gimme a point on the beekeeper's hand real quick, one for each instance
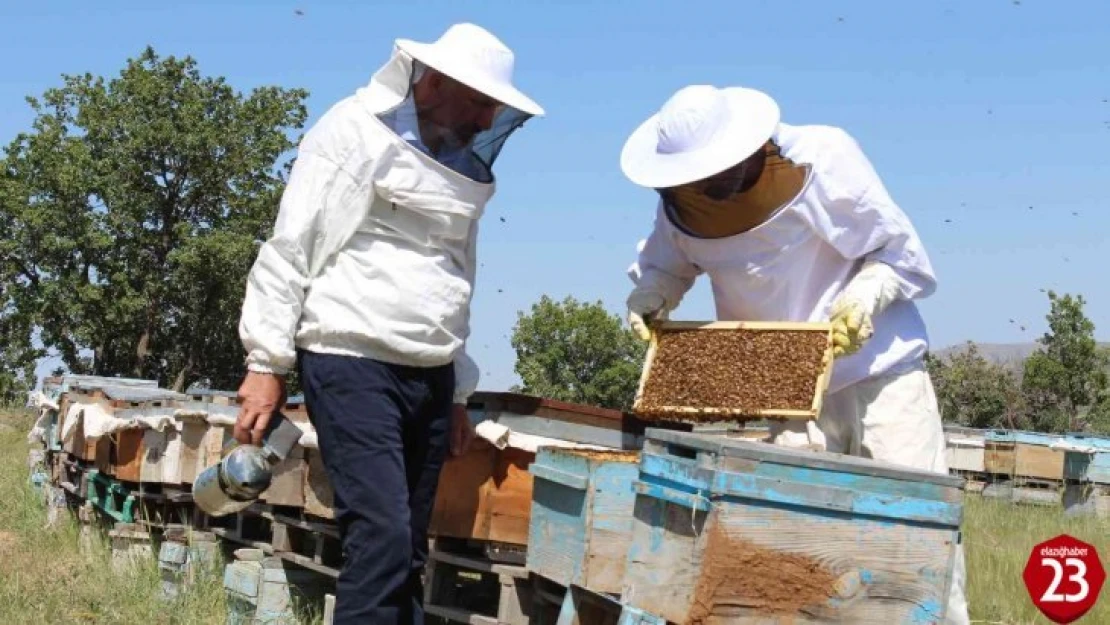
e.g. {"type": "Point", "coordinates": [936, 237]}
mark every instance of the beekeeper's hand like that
{"type": "Point", "coordinates": [644, 308]}
{"type": "Point", "coordinates": [851, 314]}
{"type": "Point", "coordinates": [851, 326]}
{"type": "Point", "coordinates": [261, 394]}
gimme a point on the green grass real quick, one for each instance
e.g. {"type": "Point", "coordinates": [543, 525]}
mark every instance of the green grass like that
{"type": "Point", "coordinates": [46, 577]}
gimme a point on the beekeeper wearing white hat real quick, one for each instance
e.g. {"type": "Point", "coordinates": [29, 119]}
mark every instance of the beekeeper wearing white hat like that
{"type": "Point", "coordinates": [365, 288]}
{"type": "Point", "coordinates": [792, 223]}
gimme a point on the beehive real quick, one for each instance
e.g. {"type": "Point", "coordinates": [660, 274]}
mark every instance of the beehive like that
{"type": "Point", "coordinates": [731, 531]}
{"type": "Point", "coordinates": [581, 522]}
{"type": "Point", "coordinates": [721, 371]}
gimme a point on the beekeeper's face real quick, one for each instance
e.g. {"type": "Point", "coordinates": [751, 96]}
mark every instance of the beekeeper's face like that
{"type": "Point", "coordinates": [736, 179]}
{"type": "Point", "coordinates": [450, 111]}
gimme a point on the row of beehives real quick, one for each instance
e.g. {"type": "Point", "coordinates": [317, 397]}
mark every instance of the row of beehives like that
{"type": "Point", "coordinates": [137, 433]}
{"type": "Point", "coordinates": [693, 524]}
{"type": "Point", "coordinates": [1072, 470]}
{"type": "Point", "coordinates": [1033, 455]}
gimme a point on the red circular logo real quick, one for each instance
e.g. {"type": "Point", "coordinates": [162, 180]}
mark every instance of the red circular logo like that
{"type": "Point", "coordinates": [1064, 577]}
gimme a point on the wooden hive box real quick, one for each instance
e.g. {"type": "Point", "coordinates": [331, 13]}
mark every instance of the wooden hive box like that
{"type": "Point", "coordinates": [1091, 467]}
{"type": "Point", "coordinates": [96, 451]}
{"type": "Point", "coordinates": [1039, 462]}
{"type": "Point", "coordinates": [139, 452]}
{"type": "Point", "coordinates": [998, 453]}
{"type": "Point", "coordinates": [581, 521]}
{"type": "Point", "coordinates": [965, 452]}
{"type": "Point", "coordinates": [485, 495]}
{"type": "Point", "coordinates": [724, 371]}
{"type": "Point", "coordinates": [1099, 470]}
{"type": "Point", "coordinates": [730, 531]}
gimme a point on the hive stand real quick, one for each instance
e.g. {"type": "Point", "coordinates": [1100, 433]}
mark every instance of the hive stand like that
{"type": "Point", "coordinates": [455, 585]}
{"type": "Point", "coordinates": [284, 533]}
{"type": "Point", "coordinates": [582, 607]}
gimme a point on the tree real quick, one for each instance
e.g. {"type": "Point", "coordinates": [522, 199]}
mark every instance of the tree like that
{"type": "Point", "coordinates": [577, 352]}
{"type": "Point", "coordinates": [1066, 377]}
{"type": "Point", "coordinates": [974, 392]}
{"type": "Point", "coordinates": [17, 354]}
{"type": "Point", "coordinates": [130, 215]}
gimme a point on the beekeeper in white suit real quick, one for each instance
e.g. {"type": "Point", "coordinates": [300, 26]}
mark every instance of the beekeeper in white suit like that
{"type": "Point", "coordinates": [792, 223]}
{"type": "Point", "coordinates": [365, 288]}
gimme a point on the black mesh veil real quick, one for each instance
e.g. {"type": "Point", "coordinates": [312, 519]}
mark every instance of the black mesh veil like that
{"type": "Point", "coordinates": [486, 145]}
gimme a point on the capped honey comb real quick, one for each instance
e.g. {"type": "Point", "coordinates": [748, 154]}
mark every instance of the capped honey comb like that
{"type": "Point", "coordinates": [718, 371]}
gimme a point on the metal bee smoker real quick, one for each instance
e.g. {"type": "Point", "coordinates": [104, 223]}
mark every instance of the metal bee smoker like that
{"type": "Point", "coordinates": [244, 472]}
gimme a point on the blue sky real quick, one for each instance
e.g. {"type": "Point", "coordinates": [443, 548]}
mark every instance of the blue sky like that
{"type": "Point", "coordinates": [970, 111]}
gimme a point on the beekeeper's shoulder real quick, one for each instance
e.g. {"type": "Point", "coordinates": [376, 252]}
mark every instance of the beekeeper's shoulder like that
{"type": "Point", "coordinates": [343, 135]}
{"type": "Point", "coordinates": [839, 166]}
{"type": "Point", "coordinates": [824, 147]}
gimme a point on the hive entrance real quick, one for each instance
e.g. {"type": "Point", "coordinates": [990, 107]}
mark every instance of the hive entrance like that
{"type": "Point", "coordinates": [726, 371]}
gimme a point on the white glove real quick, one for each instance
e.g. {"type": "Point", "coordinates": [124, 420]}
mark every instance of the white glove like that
{"type": "Point", "coordinates": [867, 295]}
{"type": "Point", "coordinates": [644, 308]}
{"type": "Point", "coordinates": [798, 434]}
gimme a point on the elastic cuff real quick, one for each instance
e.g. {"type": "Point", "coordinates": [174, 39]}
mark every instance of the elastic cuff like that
{"type": "Point", "coordinates": [257, 367]}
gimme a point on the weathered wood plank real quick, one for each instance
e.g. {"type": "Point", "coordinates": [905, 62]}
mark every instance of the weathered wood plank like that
{"type": "Point", "coordinates": [153, 455]}
{"type": "Point", "coordinates": [319, 498]}
{"type": "Point", "coordinates": [127, 461]}
{"type": "Point", "coordinates": [458, 512]}
{"type": "Point", "coordinates": [508, 500]}
{"type": "Point", "coordinates": [193, 433]}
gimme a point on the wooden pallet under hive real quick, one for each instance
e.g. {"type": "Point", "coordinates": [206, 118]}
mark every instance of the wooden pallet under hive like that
{"type": "Point", "coordinates": [732, 371]}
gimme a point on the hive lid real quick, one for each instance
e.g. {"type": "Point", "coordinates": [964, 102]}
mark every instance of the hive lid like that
{"type": "Point", "coordinates": [98, 381]}
{"type": "Point", "coordinates": [766, 452]}
{"type": "Point", "coordinates": [131, 393]}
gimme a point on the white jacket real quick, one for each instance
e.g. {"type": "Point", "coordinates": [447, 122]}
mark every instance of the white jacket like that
{"type": "Point", "coordinates": [373, 250]}
{"type": "Point", "coordinates": [794, 265]}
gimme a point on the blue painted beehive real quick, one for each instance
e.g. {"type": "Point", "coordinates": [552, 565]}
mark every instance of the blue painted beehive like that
{"type": "Point", "coordinates": [733, 531]}
{"type": "Point", "coordinates": [581, 519]}
{"type": "Point", "coordinates": [1093, 467]}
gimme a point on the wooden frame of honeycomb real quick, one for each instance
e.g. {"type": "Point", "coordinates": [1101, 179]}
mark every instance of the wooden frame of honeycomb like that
{"type": "Point", "coordinates": [808, 373]}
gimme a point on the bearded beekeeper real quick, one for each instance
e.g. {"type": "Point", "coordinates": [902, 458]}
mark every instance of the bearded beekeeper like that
{"type": "Point", "coordinates": [365, 289]}
{"type": "Point", "coordinates": [792, 223]}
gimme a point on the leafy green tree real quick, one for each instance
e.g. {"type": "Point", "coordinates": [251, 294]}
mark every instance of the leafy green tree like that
{"type": "Point", "coordinates": [131, 212]}
{"type": "Point", "coordinates": [1066, 377]}
{"type": "Point", "coordinates": [577, 352]}
{"type": "Point", "coordinates": [975, 392]}
{"type": "Point", "coordinates": [17, 356]}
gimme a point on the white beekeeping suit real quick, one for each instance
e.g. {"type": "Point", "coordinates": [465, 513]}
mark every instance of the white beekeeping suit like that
{"type": "Point", "coordinates": [367, 205]}
{"type": "Point", "coordinates": [832, 244]}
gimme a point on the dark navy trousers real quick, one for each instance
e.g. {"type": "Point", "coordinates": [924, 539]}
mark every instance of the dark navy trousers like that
{"type": "Point", "coordinates": [383, 432]}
